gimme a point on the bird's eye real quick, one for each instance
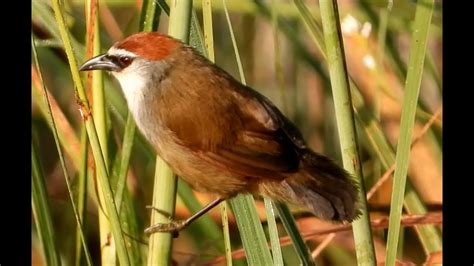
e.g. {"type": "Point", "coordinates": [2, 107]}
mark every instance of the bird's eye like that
{"type": "Point", "coordinates": [125, 61]}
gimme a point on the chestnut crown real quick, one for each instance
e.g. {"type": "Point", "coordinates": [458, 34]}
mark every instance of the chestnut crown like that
{"type": "Point", "coordinates": [151, 46]}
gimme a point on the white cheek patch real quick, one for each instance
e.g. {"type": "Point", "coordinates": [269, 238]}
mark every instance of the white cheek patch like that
{"type": "Point", "coordinates": [137, 79]}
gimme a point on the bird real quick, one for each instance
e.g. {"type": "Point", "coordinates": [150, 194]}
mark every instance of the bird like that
{"type": "Point", "coordinates": [219, 135]}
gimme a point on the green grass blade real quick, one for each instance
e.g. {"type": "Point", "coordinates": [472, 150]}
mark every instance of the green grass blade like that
{"type": "Point", "coordinates": [196, 37]}
{"type": "Point", "coordinates": [225, 229]}
{"type": "Point", "coordinates": [150, 16]}
{"type": "Point", "coordinates": [93, 138]}
{"type": "Point", "coordinates": [234, 43]}
{"type": "Point", "coordinates": [412, 88]}
{"type": "Point", "coordinates": [123, 199]}
{"type": "Point", "coordinates": [421, 27]}
{"type": "Point", "coordinates": [127, 145]}
{"type": "Point", "coordinates": [82, 193]}
{"type": "Point", "coordinates": [251, 230]}
{"type": "Point", "coordinates": [273, 233]}
{"type": "Point", "coordinates": [41, 211]}
{"type": "Point", "coordinates": [313, 28]}
{"type": "Point", "coordinates": [346, 126]}
{"type": "Point", "coordinates": [250, 227]}
{"type": "Point", "coordinates": [290, 226]}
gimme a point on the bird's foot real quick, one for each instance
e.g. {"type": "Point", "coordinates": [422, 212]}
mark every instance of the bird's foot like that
{"type": "Point", "coordinates": [172, 227]}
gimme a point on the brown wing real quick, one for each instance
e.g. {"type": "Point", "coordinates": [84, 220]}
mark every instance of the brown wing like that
{"type": "Point", "coordinates": [260, 146]}
{"type": "Point", "coordinates": [238, 130]}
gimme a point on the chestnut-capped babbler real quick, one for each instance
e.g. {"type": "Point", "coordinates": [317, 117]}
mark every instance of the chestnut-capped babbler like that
{"type": "Point", "coordinates": [219, 135]}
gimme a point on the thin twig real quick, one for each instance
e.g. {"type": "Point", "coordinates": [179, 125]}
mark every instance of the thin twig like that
{"type": "Point", "coordinates": [323, 245]}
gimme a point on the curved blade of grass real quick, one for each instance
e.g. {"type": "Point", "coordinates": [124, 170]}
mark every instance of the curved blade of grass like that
{"type": "Point", "coordinates": [164, 196]}
{"type": "Point", "coordinates": [250, 227]}
{"type": "Point", "coordinates": [412, 88]}
{"type": "Point", "coordinates": [93, 138]}
{"type": "Point", "coordinates": [52, 123]}
{"type": "Point", "coordinates": [41, 212]}
{"type": "Point", "coordinates": [346, 126]}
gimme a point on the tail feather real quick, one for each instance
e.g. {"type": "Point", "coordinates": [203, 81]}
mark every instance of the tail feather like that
{"type": "Point", "coordinates": [320, 185]}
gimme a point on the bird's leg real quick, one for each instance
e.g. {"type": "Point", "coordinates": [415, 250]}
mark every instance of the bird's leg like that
{"type": "Point", "coordinates": [176, 225]}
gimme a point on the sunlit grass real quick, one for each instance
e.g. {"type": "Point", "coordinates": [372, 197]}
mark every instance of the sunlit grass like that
{"type": "Point", "coordinates": [127, 167]}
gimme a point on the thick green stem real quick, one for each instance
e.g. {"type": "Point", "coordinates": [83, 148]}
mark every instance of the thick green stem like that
{"type": "Point", "coordinates": [346, 125]}
{"type": "Point", "coordinates": [164, 196]}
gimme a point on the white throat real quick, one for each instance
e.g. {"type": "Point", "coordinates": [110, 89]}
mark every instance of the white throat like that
{"type": "Point", "coordinates": [137, 79]}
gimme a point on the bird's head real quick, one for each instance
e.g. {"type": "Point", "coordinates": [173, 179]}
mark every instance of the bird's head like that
{"type": "Point", "coordinates": [137, 60]}
{"type": "Point", "coordinates": [134, 51]}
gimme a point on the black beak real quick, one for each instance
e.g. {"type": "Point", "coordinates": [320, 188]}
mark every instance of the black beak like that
{"type": "Point", "coordinates": [100, 62]}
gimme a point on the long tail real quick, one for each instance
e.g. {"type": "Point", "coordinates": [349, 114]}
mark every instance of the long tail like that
{"type": "Point", "coordinates": [320, 185]}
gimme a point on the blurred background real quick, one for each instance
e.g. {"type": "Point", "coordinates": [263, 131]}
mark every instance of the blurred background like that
{"type": "Point", "coordinates": [283, 62]}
